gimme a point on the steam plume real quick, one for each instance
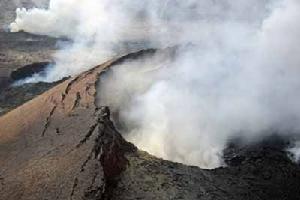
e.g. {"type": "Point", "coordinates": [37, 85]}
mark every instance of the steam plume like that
{"type": "Point", "coordinates": [235, 75]}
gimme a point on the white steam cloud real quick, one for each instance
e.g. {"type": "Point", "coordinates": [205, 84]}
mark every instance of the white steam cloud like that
{"type": "Point", "coordinates": [236, 73]}
{"type": "Point", "coordinates": [295, 151]}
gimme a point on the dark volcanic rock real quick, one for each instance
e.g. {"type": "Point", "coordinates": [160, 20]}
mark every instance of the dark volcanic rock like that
{"type": "Point", "coordinates": [29, 70]}
{"type": "Point", "coordinates": [4, 82]}
{"type": "Point", "coordinates": [263, 172]}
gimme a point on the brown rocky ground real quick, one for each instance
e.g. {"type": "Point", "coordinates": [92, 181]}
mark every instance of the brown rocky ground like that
{"type": "Point", "coordinates": [60, 145]}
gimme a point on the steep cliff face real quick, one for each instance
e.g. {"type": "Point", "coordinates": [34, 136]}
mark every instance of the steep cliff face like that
{"type": "Point", "coordinates": [61, 145]}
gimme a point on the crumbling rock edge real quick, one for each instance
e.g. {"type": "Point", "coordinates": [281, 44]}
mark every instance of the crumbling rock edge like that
{"type": "Point", "coordinates": [109, 150]}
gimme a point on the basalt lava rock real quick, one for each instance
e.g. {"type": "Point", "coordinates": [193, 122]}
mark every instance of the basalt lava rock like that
{"type": "Point", "coordinates": [29, 70]}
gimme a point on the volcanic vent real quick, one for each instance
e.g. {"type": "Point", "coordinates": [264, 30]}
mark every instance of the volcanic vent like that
{"type": "Point", "coordinates": [60, 145]}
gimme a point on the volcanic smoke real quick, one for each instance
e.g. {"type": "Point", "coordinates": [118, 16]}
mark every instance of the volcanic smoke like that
{"type": "Point", "coordinates": [235, 73]}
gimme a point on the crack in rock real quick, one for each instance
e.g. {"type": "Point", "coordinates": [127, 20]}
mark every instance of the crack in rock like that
{"type": "Point", "coordinates": [75, 184]}
{"type": "Point", "coordinates": [88, 135]}
{"type": "Point", "coordinates": [68, 88]}
{"type": "Point", "coordinates": [48, 120]}
{"type": "Point", "coordinates": [77, 101]}
{"type": "Point", "coordinates": [109, 151]}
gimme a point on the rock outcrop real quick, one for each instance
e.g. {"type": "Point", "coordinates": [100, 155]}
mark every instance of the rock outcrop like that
{"type": "Point", "coordinates": [61, 145]}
